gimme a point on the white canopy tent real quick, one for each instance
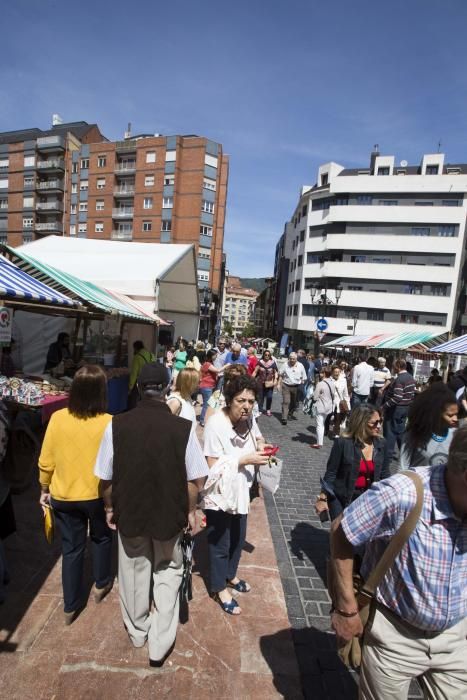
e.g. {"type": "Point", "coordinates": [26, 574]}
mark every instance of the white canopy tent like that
{"type": "Point", "coordinates": [161, 279]}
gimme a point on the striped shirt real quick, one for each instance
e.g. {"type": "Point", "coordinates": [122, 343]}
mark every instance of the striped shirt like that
{"type": "Point", "coordinates": [196, 465]}
{"type": "Point", "coordinates": [401, 392]}
{"type": "Point", "coordinates": [427, 584]}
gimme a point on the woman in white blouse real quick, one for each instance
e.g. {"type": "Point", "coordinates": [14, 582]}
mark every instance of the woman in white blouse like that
{"type": "Point", "coordinates": [232, 432]}
{"type": "Point", "coordinates": [179, 401]}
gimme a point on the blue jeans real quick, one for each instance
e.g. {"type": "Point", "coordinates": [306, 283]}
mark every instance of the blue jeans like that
{"type": "Point", "coordinates": [206, 394]}
{"type": "Point", "coordinates": [393, 429]}
{"type": "Point", "coordinates": [357, 399]}
{"type": "Point", "coordinates": [265, 394]}
{"type": "Point", "coordinates": [72, 519]}
{"type": "Point", "coordinates": [226, 536]}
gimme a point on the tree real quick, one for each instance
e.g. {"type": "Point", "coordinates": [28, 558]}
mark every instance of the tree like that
{"type": "Point", "coordinates": [249, 331]}
{"type": "Point", "coordinates": [227, 328]}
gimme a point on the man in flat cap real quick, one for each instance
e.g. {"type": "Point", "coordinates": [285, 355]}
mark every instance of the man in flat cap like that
{"type": "Point", "coordinates": [152, 467]}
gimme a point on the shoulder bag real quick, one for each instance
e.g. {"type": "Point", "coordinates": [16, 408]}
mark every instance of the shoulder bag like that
{"type": "Point", "coordinates": [351, 653]}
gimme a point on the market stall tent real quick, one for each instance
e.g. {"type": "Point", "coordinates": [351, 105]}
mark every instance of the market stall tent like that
{"type": "Point", "coordinates": [17, 286]}
{"type": "Point", "coordinates": [161, 279]}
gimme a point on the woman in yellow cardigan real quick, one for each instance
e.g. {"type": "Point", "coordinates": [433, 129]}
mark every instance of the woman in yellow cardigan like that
{"type": "Point", "coordinates": [68, 484]}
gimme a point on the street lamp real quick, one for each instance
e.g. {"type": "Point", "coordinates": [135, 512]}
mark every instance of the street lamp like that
{"type": "Point", "coordinates": [320, 293]}
{"type": "Point", "coordinates": [355, 316]}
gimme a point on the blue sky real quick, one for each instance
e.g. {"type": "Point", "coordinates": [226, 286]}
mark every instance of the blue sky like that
{"type": "Point", "coordinates": [284, 86]}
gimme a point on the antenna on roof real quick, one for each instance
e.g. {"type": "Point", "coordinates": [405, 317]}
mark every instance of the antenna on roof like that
{"type": "Point", "coordinates": [128, 131]}
{"type": "Point", "coordinates": [56, 120]}
{"type": "Point", "coordinates": [439, 146]}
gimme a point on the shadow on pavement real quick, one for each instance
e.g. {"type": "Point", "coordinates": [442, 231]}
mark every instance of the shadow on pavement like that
{"type": "Point", "coordinates": [312, 543]}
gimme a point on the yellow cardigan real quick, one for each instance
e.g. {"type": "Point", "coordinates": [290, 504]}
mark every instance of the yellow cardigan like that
{"type": "Point", "coordinates": [68, 455]}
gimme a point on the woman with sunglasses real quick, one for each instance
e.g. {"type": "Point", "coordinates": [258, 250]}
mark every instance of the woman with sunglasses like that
{"type": "Point", "coordinates": [266, 372]}
{"type": "Point", "coordinates": [355, 462]}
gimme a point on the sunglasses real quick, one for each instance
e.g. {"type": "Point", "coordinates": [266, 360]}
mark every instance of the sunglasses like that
{"type": "Point", "coordinates": [375, 424]}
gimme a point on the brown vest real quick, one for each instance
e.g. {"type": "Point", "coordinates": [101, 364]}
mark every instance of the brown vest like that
{"type": "Point", "coordinates": [149, 485]}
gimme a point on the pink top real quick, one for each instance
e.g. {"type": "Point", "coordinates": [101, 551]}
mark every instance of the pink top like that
{"type": "Point", "coordinates": [208, 377]}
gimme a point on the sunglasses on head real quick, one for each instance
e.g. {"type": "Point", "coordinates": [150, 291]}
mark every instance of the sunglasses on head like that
{"type": "Point", "coordinates": [375, 423]}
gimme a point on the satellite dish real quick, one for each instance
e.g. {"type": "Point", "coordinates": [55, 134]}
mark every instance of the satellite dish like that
{"type": "Point", "coordinates": [404, 164]}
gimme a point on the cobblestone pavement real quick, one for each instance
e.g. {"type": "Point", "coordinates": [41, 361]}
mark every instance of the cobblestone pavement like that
{"type": "Point", "coordinates": [302, 544]}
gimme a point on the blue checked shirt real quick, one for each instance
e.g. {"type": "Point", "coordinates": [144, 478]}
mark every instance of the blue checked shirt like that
{"type": "Point", "coordinates": [427, 584]}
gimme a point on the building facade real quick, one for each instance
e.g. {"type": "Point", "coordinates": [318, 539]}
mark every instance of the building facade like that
{"type": "Point", "coordinates": [264, 309]}
{"type": "Point", "coordinates": [374, 249]}
{"type": "Point", "coordinates": [238, 306]}
{"type": "Point", "coordinates": [72, 181]}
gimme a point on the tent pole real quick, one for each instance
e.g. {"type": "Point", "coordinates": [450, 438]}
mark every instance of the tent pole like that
{"type": "Point", "coordinates": [75, 338]}
{"type": "Point", "coordinates": [118, 354]}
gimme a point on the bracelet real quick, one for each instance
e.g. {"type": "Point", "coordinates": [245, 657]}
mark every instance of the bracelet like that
{"type": "Point", "coordinates": [342, 613]}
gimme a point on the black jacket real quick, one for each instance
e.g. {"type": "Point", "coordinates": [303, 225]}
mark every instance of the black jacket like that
{"type": "Point", "coordinates": [343, 467]}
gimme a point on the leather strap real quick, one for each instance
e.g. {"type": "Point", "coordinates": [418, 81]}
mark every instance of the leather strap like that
{"type": "Point", "coordinates": [397, 542]}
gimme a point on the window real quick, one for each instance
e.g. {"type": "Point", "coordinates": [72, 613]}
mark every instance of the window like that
{"type": "Point", "coordinates": [147, 203]}
{"type": "Point", "coordinates": [29, 161]}
{"type": "Point", "coordinates": [341, 201]}
{"type": "Point", "coordinates": [312, 258]}
{"type": "Point", "coordinates": [380, 260]}
{"type": "Point", "coordinates": [209, 184]}
{"type": "Point", "coordinates": [204, 253]}
{"type": "Point", "coordinates": [28, 181]}
{"type": "Point", "coordinates": [150, 156]}
{"type": "Point", "coordinates": [354, 288]}
{"type": "Point", "coordinates": [167, 202]}
{"type": "Point", "coordinates": [432, 170]}
{"type": "Point", "coordinates": [423, 204]}
{"type": "Point", "coordinates": [166, 225]}
{"type": "Point", "coordinates": [27, 221]}
{"type": "Point", "coordinates": [447, 231]}
{"type": "Point", "coordinates": [99, 227]}
{"type": "Point", "coordinates": [409, 318]}
{"type": "Point", "coordinates": [375, 315]}
{"type": "Point", "coordinates": [388, 202]}
{"type": "Point", "coordinates": [207, 206]}
{"type": "Point", "coordinates": [420, 231]}
{"type": "Point", "coordinates": [101, 161]}
{"type": "Point", "coordinates": [302, 236]}
{"type": "Point", "coordinates": [83, 185]}
{"type": "Point", "coordinates": [295, 310]}
{"type": "Point", "coordinates": [384, 170]}
{"type": "Point", "coordinates": [99, 205]}
{"type": "Point", "coordinates": [293, 245]}
{"type": "Point", "coordinates": [27, 238]}
{"type": "Point", "coordinates": [149, 180]}
{"type": "Point", "coordinates": [28, 202]}
{"type": "Point", "coordinates": [83, 206]}
{"type": "Point", "coordinates": [4, 163]}
{"type": "Point", "coordinates": [82, 228]}
{"type": "Point", "coordinates": [450, 203]}
{"type": "Point", "coordinates": [413, 288]}
{"type": "Point", "coordinates": [74, 187]}
{"type": "Point", "coordinates": [358, 258]}
{"type": "Point", "coordinates": [304, 210]}
{"type": "Point", "coordinates": [297, 285]}
{"type": "Point", "coordinates": [100, 183]}
{"type": "Point", "coordinates": [364, 199]}
{"type": "Point", "coordinates": [169, 179]}
{"type": "Point", "coordinates": [3, 203]}
{"type": "Point", "coordinates": [324, 179]}
{"type": "Point", "coordinates": [72, 208]}
{"type": "Point", "coordinates": [72, 230]}
{"type": "Point", "coordinates": [300, 260]}
{"type": "Point", "coordinates": [205, 230]}
{"type": "Point", "coordinates": [74, 168]}
{"type": "Point", "coordinates": [147, 226]}
{"type": "Point", "coordinates": [438, 290]}
{"type": "Point", "coordinates": [3, 183]}
{"type": "Point", "coordinates": [203, 276]}
{"type": "Point", "coordinates": [84, 165]}
{"type": "Point", "coordinates": [170, 156]}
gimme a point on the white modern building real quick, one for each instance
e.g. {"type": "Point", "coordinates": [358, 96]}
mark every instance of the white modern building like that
{"type": "Point", "coordinates": [386, 242]}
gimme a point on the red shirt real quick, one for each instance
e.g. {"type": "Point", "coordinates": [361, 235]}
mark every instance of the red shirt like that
{"type": "Point", "coordinates": [366, 474]}
{"type": "Point", "coordinates": [208, 377]}
{"type": "Point", "coordinates": [252, 361]}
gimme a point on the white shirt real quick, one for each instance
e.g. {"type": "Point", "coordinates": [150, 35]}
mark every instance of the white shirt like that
{"type": "Point", "coordinates": [362, 378]}
{"type": "Point", "coordinates": [293, 375]}
{"type": "Point", "coordinates": [221, 439]}
{"type": "Point", "coordinates": [196, 465]}
{"type": "Point", "coordinates": [381, 376]}
{"type": "Point", "coordinates": [187, 409]}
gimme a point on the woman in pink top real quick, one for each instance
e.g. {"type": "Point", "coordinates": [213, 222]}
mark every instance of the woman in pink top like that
{"type": "Point", "coordinates": [208, 381]}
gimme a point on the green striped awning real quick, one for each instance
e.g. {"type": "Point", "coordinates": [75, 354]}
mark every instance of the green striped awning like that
{"type": "Point", "coordinates": [405, 340]}
{"type": "Point", "coordinates": [87, 292]}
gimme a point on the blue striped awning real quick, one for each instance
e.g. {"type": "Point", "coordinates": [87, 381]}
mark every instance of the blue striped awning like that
{"type": "Point", "coordinates": [17, 284]}
{"type": "Point", "coordinates": [456, 346]}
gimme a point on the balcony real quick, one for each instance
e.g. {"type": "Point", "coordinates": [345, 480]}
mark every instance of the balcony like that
{"type": "Point", "coordinates": [51, 164]}
{"type": "Point", "coordinates": [122, 235]}
{"type": "Point", "coordinates": [49, 185]}
{"type": "Point", "coordinates": [49, 227]}
{"type": "Point", "coordinates": [127, 191]}
{"type": "Point", "coordinates": [51, 143]}
{"type": "Point", "coordinates": [125, 167]}
{"type": "Point", "coordinates": [49, 206]}
{"type": "Point", "coordinates": [122, 213]}
{"type": "Point", "coordinates": [127, 146]}
{"type": "Point", "coordinates": [203, 263]}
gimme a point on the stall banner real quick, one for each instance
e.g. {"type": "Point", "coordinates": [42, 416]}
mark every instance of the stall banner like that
{"type": "Point", "coordinates": [6, 320]}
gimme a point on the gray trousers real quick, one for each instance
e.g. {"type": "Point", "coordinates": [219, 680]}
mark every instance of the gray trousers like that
{"type": "Point", "coordinates": [289, 399]}
{"type": "Point", "coordinates": [150, 569]}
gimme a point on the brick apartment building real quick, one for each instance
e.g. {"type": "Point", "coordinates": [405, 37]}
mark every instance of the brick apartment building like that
{"type": "Point", "coordinates": [72, 181]}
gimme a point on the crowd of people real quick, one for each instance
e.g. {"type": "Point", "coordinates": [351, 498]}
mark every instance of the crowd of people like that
{"type": "Point", "coordinates": [145, 474]}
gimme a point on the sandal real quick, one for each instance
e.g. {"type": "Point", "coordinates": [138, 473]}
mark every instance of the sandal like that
{"type": "Point", "coordinates": [241, 586]}
{"type": "Point", "coordinates": [226, 607]}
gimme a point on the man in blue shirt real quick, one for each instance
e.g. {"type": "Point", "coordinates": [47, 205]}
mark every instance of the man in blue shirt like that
{"type": "Point", "coordinates": [419, 627]}
{"type": "Point", "coordinates": [236, 356]}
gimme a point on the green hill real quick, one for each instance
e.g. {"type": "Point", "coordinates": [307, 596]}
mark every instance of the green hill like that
{"type": "Point", "coordinates": [256, 283]}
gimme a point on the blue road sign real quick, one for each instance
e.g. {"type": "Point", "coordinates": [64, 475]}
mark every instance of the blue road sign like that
{"type": "Point", "coordinates": [321, 324]}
